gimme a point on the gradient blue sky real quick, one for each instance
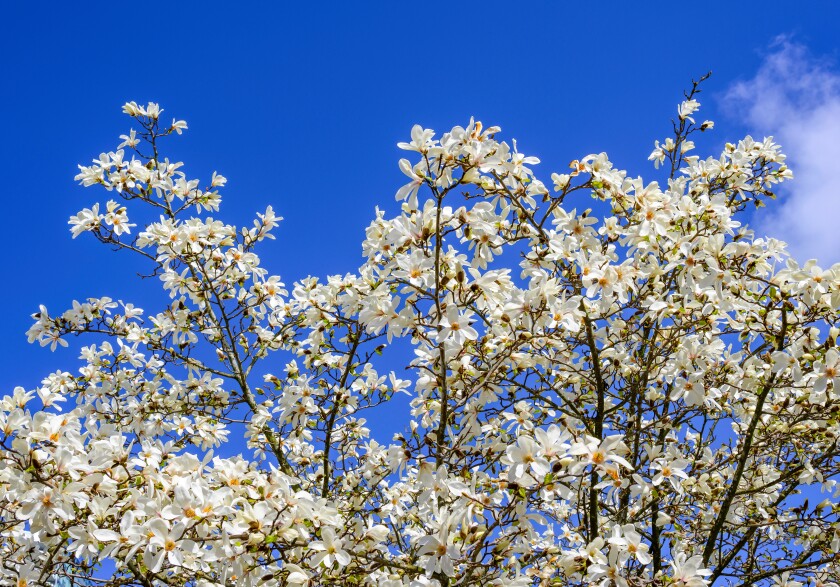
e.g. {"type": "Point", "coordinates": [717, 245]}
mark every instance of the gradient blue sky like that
{"type": "Point", "coordinates": [301, 107]}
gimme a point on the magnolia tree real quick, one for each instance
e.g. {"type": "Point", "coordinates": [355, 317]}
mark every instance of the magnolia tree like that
{"type": "Point", "coordinates": [640, 393]}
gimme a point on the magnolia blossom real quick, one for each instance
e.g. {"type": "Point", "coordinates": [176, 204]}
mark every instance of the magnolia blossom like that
{"type": "Point", "coordinates": [670, 470]}
{"type": "Point", "coordinates": [599, 453]}
{"type": "Point", "coordinates": [691, 390]}
{"type": "Point", "coordinates": [164, 542]}
{"type": "Point", "coordinates": [687, 108]}
{"type": "Point", "coordinates": [613, 382]}
{"type": "Point", "coordinates": [527, 461]}
{"type": "Point", "coordinates": [456, 326]}
{"type": "Point", "coordinates": [827, 371]}
{"type": "Point", "coordinates": [688, 571]}
{"type": "Point", "coordinates": [329, 549]}
{"type": "Point", "coordinates": [627, 540]}
{"type": "Point", "coordinates": [439, 550]}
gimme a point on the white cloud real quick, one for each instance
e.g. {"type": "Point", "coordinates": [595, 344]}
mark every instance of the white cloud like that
{"type": "Point", "coordinates": [795, 97]}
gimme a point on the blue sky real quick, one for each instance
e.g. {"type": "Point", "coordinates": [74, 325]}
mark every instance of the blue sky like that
{"type": "Point", "coordinates": [301, 107]}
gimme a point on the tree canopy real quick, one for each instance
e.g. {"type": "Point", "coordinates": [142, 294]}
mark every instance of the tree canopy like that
{"type": "Point", "coordinates": [613, 382]}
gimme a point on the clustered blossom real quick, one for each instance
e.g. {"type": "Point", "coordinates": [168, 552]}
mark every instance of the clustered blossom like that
{"type": "Point", "coordinates": [613, 382]}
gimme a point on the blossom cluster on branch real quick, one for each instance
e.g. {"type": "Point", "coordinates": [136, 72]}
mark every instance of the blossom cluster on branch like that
{"type": "Point", "coordinates": [640, 392]}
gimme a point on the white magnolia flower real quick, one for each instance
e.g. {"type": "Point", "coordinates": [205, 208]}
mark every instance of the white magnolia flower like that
{"type": "Point", "coordinates": [456, 326]}
{"type": "Point", "coordinates": [329, 549]}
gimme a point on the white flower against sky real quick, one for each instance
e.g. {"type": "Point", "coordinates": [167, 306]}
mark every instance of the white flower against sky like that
{"type": "Point", "coordinates": [329, 549]}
